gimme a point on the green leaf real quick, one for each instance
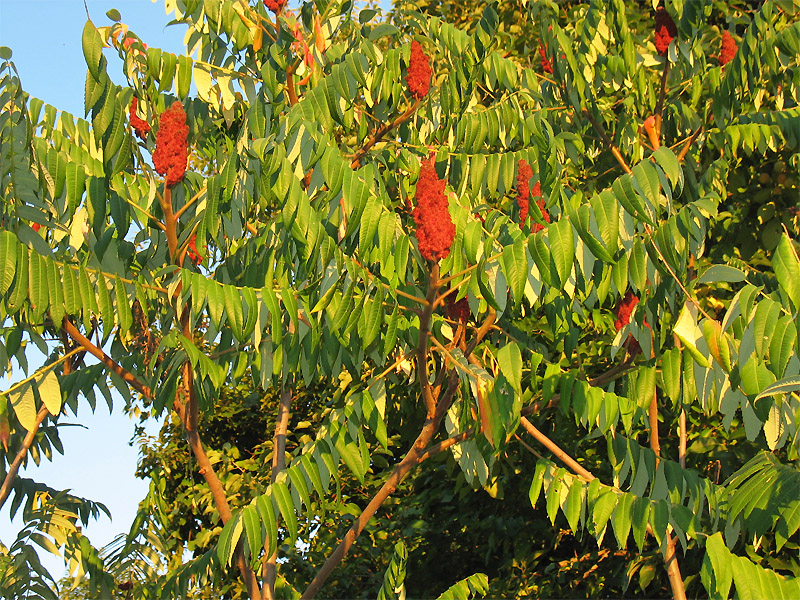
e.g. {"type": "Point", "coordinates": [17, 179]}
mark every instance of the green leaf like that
{"type": "Point", "coordinates": [24, 404]}
{"type": "Point", "coordinates": [509, 358]}
{"type": "Point", "coordinates": [267, 513]}
{"type": "Point", "coordinates": [56, 292]}
{"type": "Point", "coordinates": [718, 273]}
{"type": "Point", "coordinates": [50, 392]}
{"type": "Point", "coordinates": [8, 260]}
{"type": "Point", "coordinates": [784, 386]}
{"type": "Point", "coordinates": [787, 270]}
{"type": "Point", "coordinates": [233, 310]}
{"type": "Point", "coordinates": [562, 247]}
{"type": "Point", "coordinates": [184, 80]}
{"type": "Point", "coordinates": [536, 483]}
{"type": "Point", "coordinates": [253, 531]}
{"type": "Point", "coordinates": [92, 45]}
{"type": "Point", "coordinates": [37, 283]}
{"type": "Point", "coordinates": [283, 499]}
{"type": "Point", "coordinates": [229, 538]}
{"type": "Point", "coordinates": [574, 505]}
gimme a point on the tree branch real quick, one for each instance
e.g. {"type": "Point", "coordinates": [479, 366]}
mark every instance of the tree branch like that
{"type": "Point", "coordinates": [278, 464]}
{"type": "Point", "coordinates": [661, 97]}
{"type": "Point", "coordinates": [411, 459]}
{"type": "Point", "coordinates": [382, 131]}
{"type": "Point", "coordinates": [8, 481]}
{"type": "Point", "coordinates": [422, 344]}
{"type": "Point", "coordinates": [556, 450]}
{"type": "Point", "coordinates": [607, 141]}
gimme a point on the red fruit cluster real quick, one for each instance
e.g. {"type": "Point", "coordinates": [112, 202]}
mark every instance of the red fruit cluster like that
{"type": "Point", "coordinates": [547, 66]}
{"type": "Point", "coordinates": [194, 255]}
{"type": "Point", "coordinates": [419, 72]}
{"type": "Point", "coordinates": [728, 49]}
{"type": "Point", "coordinates": [456, 311]}
{"type": "Point", "coordinates": [665, 30]}
{"type": "Point", "coordinates": [525, 192]}
{"type": "Point", "coordinates": [435, 229]}
{"type": "Point", "coordinates": [172, 151]}
{"type": "Point", "coordinates": [140, 126]}
{"type": "Point", "coordinates": [275, 6]}
{"type": "Point", "coordinates": [625, 309]}
{"type": "Point", "coordinates": [536, 192]}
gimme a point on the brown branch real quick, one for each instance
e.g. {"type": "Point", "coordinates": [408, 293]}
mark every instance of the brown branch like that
{"type": "Point", "coordinates": [607, 141]}
{"type": "Point", "coordinates": [556, 450]}
{"type": "Point", "coordinates": [661, 97]}
{"type": "Point", "coordinates": [189, 202]}
{"type": "Point", "coordinates": [382, 131]}
{"type": "Point", "coordinates": [278, 464]}
{"type": "Point", "coordinates": [422, 344]}
{"type": "Point", "coordinates": [688, 144]}
{"type": "Point", "coordinates": [673, 569]}
{"type": "Point", "coordinates": [170, 223]}
{"type": "Point", "coordinates": [110, 363]}
{"type": "Point", "coordinates": [8, 481]}
{"type": "Point", "coordinates": [401, 470]}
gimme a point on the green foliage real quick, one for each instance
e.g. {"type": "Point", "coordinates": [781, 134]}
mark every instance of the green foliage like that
{"type": "Point", "coordinates": [283, 273]}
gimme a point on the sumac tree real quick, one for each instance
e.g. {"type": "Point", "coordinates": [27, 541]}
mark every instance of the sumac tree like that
{"type": "Point", "coordinates": [448, 239]}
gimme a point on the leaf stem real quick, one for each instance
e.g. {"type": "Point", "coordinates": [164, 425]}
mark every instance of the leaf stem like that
{"type": "Point", "coordinates": [382, 131]}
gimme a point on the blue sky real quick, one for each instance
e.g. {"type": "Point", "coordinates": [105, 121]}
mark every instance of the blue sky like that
{"type": "Point", "coordinates": [45, 37]}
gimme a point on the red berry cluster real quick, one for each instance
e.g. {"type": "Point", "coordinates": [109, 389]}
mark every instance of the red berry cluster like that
{"type": "Point", "coordinates": [140, 126]}
{"type": "Point", "coordinates": [419, 72]}
{"type": "Point", "coordinates": [547, 66]}
{"type": "Point", "coordinates": [172, 151]}
{"type": "Point", "coordinates": [435, 229]}
{"type": "Point", "coordinates": [194, 255]}
{"type": "Point", "coordinates": [275, 6]}
{"type": "Point", "coordinates": [625, 309]}
{"type": "Point", "coordinates": [728, 49]}
{"type": "Point", "coordinates": [456, 311]}
{"type": "Point", "coordinates": [665, 30]}
{"type": "Point", "coordinates": [525, 192]}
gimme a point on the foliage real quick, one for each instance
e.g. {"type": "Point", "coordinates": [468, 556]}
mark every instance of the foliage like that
{"type": "Point", "coordinates": [281, 305]}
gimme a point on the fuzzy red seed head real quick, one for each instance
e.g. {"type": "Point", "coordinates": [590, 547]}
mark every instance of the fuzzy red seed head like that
{"type": "Point", "coordinates": [419, 72]}
{"type": "Point", "coordinates": [728, 49]}
{"type": "Point", "coordinates": [536, 192]}
{"type": "Point", "coordinates": [625, 309]}
{"type": "Point", "coordinates": [456, 311]}
{"type": "Point", "coordinates": [194, 255]}
{"type": "Point", "coordinates": [665, 30]}
{"type": "Point", "coordinates": [275, 6]}
{"type": "Point", "coordinates": [547, 66]}
{"type": "Point", "coordinates": [524, 174]}
{"type": "Point", "coordinates": [435, 229]}
{"type": "Point", "coordinates": [172, 151]}
{"type": "Point", "coordinates": [140, 126]}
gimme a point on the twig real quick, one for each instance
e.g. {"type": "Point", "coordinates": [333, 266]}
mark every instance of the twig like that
{"type": "Point", "coordinates": [382, 131]}
{"type": "Point", "coordinates": [278, 464]}
{"type": "Point", "coordinates": [678, 281]}
{"type": "Point", "coordinates": [422, 343]}
{"type": "Point", "coordinates": [661, 97]}
{"type": "Point", "coordinates": [556, 450]}
{"type": "Point", "coordinates": [189, 202]}
{"type": "Point", "coordinates": [13, 469]}
{"type": "Point", "coordinates": [608, 141]}
{"type": "Point", "coordinates": [688, 144]}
